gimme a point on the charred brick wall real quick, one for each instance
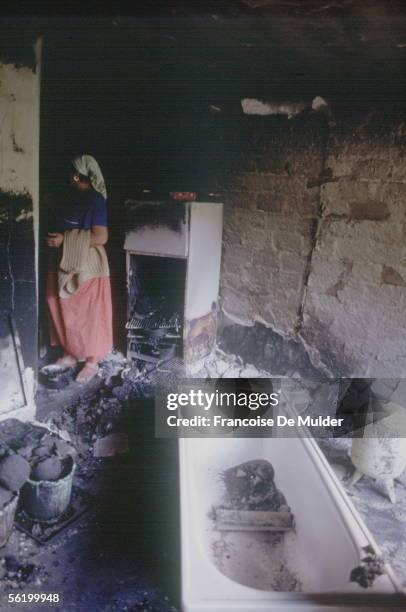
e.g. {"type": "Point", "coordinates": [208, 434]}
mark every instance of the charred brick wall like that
{"type": "Point", "coordinates": [314, 246]}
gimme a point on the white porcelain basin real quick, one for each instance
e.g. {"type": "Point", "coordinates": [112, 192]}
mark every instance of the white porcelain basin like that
{"type": "Point", "coordinates": [308, 569]}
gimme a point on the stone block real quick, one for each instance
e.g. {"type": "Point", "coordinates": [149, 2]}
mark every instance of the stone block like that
{"type": "Point", "coordinates": [369, 321]}
{"type": "Point", "coordinates": [255, 235]}
{"type": "Point", "coordinates": [269, 202]}
{"type": "Point", "coordinates": [289, 241]}
{"type": "Point", "coordinates": [229, 278]}
{"type": "Point", "coordinates": [360, 242]}
{"type": "Point", "coordinates": [280, 308]}
{"type": "Point", "coordinates": [390, 276]}
{"type": "Point", "coordinates": [236, 256]}
{"type": "Point", "coordinates": [353, 318]}
{"type": "Point", "coordinates": [318, 307]}
{"type": "Point", "coordinates": [368, 210]}
{"type": "Point", "coordinates": [363, 162]}
{"type": "Point", "coordinates": [365, 273]}
{"type": "Point", "coordinates": [292, 264]}
{"type": "Point", "coordinates": [292, 281]}
{"type": "Point", "coordinates": [308, 204]}
{"type": "Point", "coordinates": [258, 279]}
{"type": "Point", "coordinates": [237, 305]}
{"type": "Point", "coordinates": [306, 227]}
{"type": "Point", "coordinates": [336, 196]}
{"type": "Point", "coordinates": [240, 199]}
{"type": "Point", "coordinates": [372, 168]}
{"type": "Point", "coordinates": [231, 235]}
{"type": "Point", "coordinates": [265, 257]}
{"type": "Point", "coordinates": [257, 218]}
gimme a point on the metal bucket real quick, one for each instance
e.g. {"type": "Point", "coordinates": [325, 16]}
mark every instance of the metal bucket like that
{"type": "Point", "coordinates": [7, 519]}
{"type": "Point", "coordinates": [46, 500]}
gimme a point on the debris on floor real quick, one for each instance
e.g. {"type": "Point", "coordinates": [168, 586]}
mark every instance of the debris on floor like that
{"type": "Point", "coordinates": [386, 521]}
{"type": "Point", "coordinates": [52, 459]}
{"type": "Point", "coordinates": [225, 365]}
{"type": "Point", "coordinates": [113, 444]}
{"type": "Point", "coordinates": [14, 471]}
{"type": "Point", "coordinates": [15, 574]}
{"type": "Point", "coordinates": [73, 555]}
{"type": "Point", "coordinates": [93, 426]}
{"type": "Point", "coordinates": [5, 496]}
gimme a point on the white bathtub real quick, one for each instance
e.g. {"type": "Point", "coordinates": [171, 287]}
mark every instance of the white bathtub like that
{"type": "Point", "coordinates": [321, 553]}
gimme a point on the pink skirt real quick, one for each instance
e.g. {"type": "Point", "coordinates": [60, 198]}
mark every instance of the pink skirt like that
{"type": "Point", "coordinates": [81, 324]}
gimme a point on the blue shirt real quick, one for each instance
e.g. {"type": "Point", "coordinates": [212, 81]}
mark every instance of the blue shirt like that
{"type": "Point", "coordinates": [84, 212]}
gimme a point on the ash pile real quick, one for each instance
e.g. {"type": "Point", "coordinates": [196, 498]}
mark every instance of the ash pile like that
{"type": "Point", "coordinates": [95, 415]}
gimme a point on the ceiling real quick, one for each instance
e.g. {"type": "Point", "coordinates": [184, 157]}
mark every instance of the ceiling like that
{"type": "Point", "coordinates": [272, 48]}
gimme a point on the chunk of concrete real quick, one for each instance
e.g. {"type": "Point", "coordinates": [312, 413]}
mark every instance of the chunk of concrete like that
{"type": "Point", "coordinates": [64, 449]}
{"type": "Point", "coordinates": [48, 469]}
{"type": "Point", "coordinates": [250, 486]}
{"type": "Point", "coordinates": [5, 496]}
{"type": "Point", "coordinates": [41, 451]}
{"type": "Point", "coordinates": [113, 444]}
{"type": "Point", "coordinates": [14, 471]}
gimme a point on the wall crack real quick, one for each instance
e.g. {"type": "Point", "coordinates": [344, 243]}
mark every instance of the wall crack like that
{"type": "Point", "coordinates": [315, 231]}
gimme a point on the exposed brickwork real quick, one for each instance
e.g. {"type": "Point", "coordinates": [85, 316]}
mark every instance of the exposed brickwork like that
{"type": "Point", "coordinates": [315, 241]}
{"type": "Point", "coordinates": [356, 291]}
{"type": "Point", "coordinates": [390, 276]}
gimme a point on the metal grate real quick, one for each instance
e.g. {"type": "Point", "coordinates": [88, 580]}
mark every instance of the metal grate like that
{"type": "Point", "coordinates": [154, 322]}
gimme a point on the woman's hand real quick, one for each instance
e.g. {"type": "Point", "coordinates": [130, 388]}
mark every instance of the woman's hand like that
{"type": "Point", "coordinates": [99, 235]}
{"type": "Point", "coordinates": [54, 239]}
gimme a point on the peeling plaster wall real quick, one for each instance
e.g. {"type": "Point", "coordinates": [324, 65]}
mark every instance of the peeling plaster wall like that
{"type": "Point", "coordinates": [19, 178]}
{"type": "Point", "coordinates": [314, 246]}
{"type": "Point", "coordinates": [355, 309]}
{"type": "Point", "coordinates": [271, 208]}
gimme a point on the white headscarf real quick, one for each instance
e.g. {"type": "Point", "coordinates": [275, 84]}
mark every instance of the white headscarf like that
{"type": "Point", "coordinates": [88, 166]}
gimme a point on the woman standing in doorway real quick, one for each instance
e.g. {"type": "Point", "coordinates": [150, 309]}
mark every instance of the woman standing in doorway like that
{"type": "Point", "coordinates": [78, 288]}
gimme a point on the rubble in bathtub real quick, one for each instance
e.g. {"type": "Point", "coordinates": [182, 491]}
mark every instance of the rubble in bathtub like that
{"type": "Point", "coordinates": [370, 568]}
{"type": "Point", "coordinates": [251, 486]}
{"type": "Point", "coordinates": [253, 520]}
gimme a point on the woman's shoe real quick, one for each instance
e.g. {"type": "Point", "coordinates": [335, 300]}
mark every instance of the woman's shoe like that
{"type": "Point", "coordinates": [88, 372]}
{"type": "Point", "coordinates": [66, 361]}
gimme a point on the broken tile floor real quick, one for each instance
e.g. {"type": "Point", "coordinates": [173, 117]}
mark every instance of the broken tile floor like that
{"type": "Point", "coordinates": [123, 553]}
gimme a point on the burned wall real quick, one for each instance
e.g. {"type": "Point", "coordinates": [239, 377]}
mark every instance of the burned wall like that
{"type": "Point", "coordinates": [271, 203]}
{"type": "Point", "coordinates": [356, 292]}
{"type": "Point", "coordinates": [314, 255]}
{"type": "Point", "coordinates": [19, 176]}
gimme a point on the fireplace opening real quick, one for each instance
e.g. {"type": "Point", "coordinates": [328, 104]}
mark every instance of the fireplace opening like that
{"type": "Point", "coordinates": [156, 295]}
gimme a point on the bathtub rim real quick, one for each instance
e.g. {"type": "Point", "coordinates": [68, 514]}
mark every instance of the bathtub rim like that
{"type": "Point", "coordinates": [241, 595]}
{"type": "Point", "coordinates": [336, 487]}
